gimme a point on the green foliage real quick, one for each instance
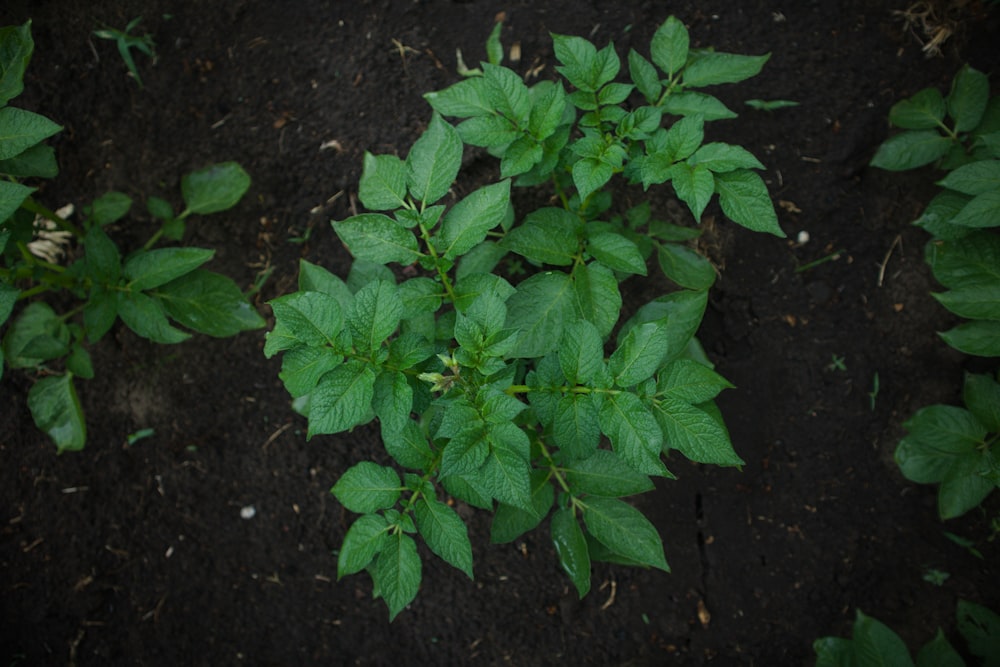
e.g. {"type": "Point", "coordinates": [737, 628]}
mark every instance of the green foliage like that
{"type": "Point", "coordinates": [126, 41]}
{"type": "Point", "coordinates": [960, 133]}
{"type": "Point", "coordinates": [873, 644]}
{"type": "Point", "coordinates": [150, 289]}
{"type": "Point", "coordinates": [525, 392]}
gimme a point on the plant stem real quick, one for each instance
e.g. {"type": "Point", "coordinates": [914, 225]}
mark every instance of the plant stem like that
{"type": "Point", "coordinates": [32, 206]}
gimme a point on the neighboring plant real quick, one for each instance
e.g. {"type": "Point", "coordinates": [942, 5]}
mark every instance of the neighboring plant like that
{"type": "Point", "coordinates": [873, 644]}
{"type": "Point", "coordinates": [529, 399]}
{"type": "Point", "coordinates": [145, 288]}
{"type": "Point", "coordinates": [960, 133]}
{"type": "Point", "coordinates": [126, 41]}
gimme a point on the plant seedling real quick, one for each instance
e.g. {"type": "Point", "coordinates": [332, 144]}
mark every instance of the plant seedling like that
{"type": "Point", "coordinates": [125, 41]}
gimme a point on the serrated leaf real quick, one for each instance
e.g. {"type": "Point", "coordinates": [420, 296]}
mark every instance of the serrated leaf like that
{"type": "Point", "coordinates": [923, 111]}
{"type": "Point", "coordinates": [152, 268]}
{"type": "Point", "coordinates": [20, 130]}
{"type": "Point", "coordinates": [910, 149]}
{"type": "Point", "coordinates": [363, 540]}
{"type": "Point", "coordinates": [210, 303]}
{"type": "Point", "coordinates": [55, 408]}
{"type": "Point", "coordinates": [374, 237]}
{"type": "Point", "coordinates": [397, 572]}
{"type": "Point", "coordinates": [367, 487]}
{"type": "Point", "coordinates": [624, 530]}
{"type": "Point", "coordinates": [745, 200]}
{"type": "Point", "coordinates": [445, 533]}
{"type": "Point", "coordinates": [616, 252]}
{"type": "Point", "coordinates": [468, 221]}
{"type": "Point", "coordinates": [571, 548]}
{"type": "Point", "coordinates": [695, 433]}
{"type": "Point", "coordinates": [342, 399]}
{"type": "Point", "coordinates": [606, 474]}
{"type": "Point", "coordinates": [669, 46]}
{"type": "Point", "coordinates": [215, 188]}
{"type": "Point", "coordinates": [383, 182]}
{"type": "Point", "coordinates": [433, 161]}
{"type": "Point", "coordinates": [634, 433]}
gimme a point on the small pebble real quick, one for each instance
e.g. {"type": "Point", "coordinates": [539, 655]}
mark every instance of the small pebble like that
{"type": "Point", "coordinates": [803, 237]}
{"type": "Point", "coordinates": [248, 512]}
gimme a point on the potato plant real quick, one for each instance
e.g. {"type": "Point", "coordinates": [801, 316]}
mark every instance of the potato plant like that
{"type": "Point", "coordinates": [491, 347]}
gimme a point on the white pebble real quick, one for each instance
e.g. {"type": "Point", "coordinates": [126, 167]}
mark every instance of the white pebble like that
{"type": "Point", "coordinates": [803, 238]}
{"type": "Point", "coordinates": [248, 512]}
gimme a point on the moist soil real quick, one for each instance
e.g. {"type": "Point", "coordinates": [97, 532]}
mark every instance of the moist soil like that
{"type": "Point", "coordinates": [141, 554]}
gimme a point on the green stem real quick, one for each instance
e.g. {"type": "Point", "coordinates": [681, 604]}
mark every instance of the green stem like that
{"type": "Point", "coordinates": [445, 280]}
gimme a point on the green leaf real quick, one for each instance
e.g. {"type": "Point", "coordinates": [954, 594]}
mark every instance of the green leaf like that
{"type": "Point", "coordinates": [539, 310]}
{"type": "Point", "coordinates": [970, 93]}
{"type": "Point", "coordinates": [313, 278]}
{"type": "Point", "coordinates": [721, 157]}
{"type": "Point", "coordinates": [645, 77]}
{"type": "Point", "coordinates": [690, 381]}
{"type": "Point", "coordinates": [964, 486]}
{"type": "Point", "coordinates": [342, 399]}
{"type": "Point", "coordinates": [980, 302]}
{"type": "Point", "coordinates": [445, 533]}
{"type": "Point", "coordinates": [375, 237]}
{"type": "Point", "coordinates": [606, 474]}
{"type": "Point", "coordinates": [466, 451]}
{"type": "Point", "coordinates": [409, 447]}
{"type": "Point", "coordinates": [582, 64]}
{"type": "Point", "coordinates": [209, 303]}
{"type": "Point", "coordinates": [506, 475]}
{"type": "Point", "coordinates": [520, 157]}
{"type": "Point", "coordinates": [215, 188]}
{"type": "Point", "coordinates": [506, 93]}
{"type": "Point", "coordinates": [634, 433]}
{"type": "Point", "coordinates": [693, 103]}
{"type": "Point", "coordinates": [36, 162]}
{"type": "Point", "coordinates": [876, 644]}
{"type": "Point", "coordinates": [981, 394]}
{"type": "Point", "coordinates": [709, 68]}
{"type": "Point", "coordinates": [834, 652]}
{"type": "Point", "coordinates": [367, 487]}
{"type": "Point", "coordinates": [309, 318]}
{"type": "Point", "coordinates": [590, 175]}
{"type": "Point", "coordinates": [669, 47]}
{"type": "Point", "coordinates": [464, 99]}
{"type": "Point", "coordinates": [8, 297]}
{"type": "Point", "coordinates": [108, 208]}
{"type": "Point", "coordinates": [694, 186]}
{"type": "Point", "coordinates": [397, 572]}
{"type": "Point", "coordinates": [685, 266]}
{"type": "Point", "coordinates": [982, 211]}
{"type": "Point", "coordinates": [548, 106]}
{"type": "Point", "coordinates": [488, 131]}
{"type": "Point", "coordinates": [148, 269]}
{"type": "Point", "coordinates": [79, 363]}
{"type": "Point", "coordinates": [939, 653]}
{"type": "Point", "coordinates": [20, 130]}
{"type": "Point", "coordinates": [971, 261]}
{"type": "Point", "coordinates": [16, 47]}
{"type": "Point", "coordinates": [392, 401]}
{"type": "Point", "coordinates": [12, 195]}
{"type": "Point", "coordinates": [302, 367]}
{"type": "Point", "coordinates": [910, 149]}
{"type": "Point", "coordinates": [974, 178]}
{"type": "Point", "coordinates": [55, 408]}
{"type": "Point", "coordinates": [581, 352]}
{"type": "Point", "coordinates": [571, 547]}
{"type": "Point", "coordinates": [364, 540]}
{"type": "Point", "coordinates": [576, 428]}
{"type": "Point", "coordinates": [923, 111]}
{"type": "Point", "coordinates": [683, 309]}
{"type": "Point", "coordinates": [468, 221]}
{"type": "Point", "coordinates": [433, 161]}
{"type": "Point", "coordinates": [147, 317]}
{"type": "Point", "coordinates": [640, 353]}
{"type": "Point", "coordinates": [383, 182]}
{"type": "Point", "coordinates": [694, 432]}
{"type": "Point", "coordinates": [979, 338]}
{"type": "Point", "coordinates": [939, 435]}
{"type": "Point", "coordinates": [100, 312]}
{"type": "Point", "coordinates": [624, 530]}
{"type": "Point", "coordinates": [510, 522]}
{"type": "Point", "coordinates": [103, 259]}
{"type": "Point", "coordinates": [745, 200]}
{"type": "Point", "coordinates": [596, 297]}
{"type": "Point", "coordinates": [376, 313]}
{"type": "Point", "coordinates": [494, 49]}
{"type": "Point", "coordinates": [616, 252]}
{"type": "Point", "coordinates": [546, 235]}
{"type": "Point", "coordinates": [981, 629]}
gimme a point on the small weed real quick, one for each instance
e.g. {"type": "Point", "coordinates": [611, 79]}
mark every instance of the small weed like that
{"type": "Point", "coordinates": [126, 41]}
{"type": "Point", "coordinates": [836, 364]}
{"type": "Point", "coordinates": [936, 577]}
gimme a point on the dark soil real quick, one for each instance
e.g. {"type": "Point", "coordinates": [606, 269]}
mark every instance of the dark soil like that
{"type": "Point", "coordinates": [138, 555]}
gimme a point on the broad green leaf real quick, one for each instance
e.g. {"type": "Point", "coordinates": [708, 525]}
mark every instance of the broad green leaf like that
{"type": "Point", "coordinates": [20, 130]}
{"type": "Point", "coordinates": [581, 352]}
{"type": "Point", "coordinates": [834, 652]}
{"type": "Point", "coordinates": [466, 451]}
{"type": "Point", "coordinates": [910, 149]}
{"type": "Point", "coordinates": [209, 303]}
{"type": "Point", "coordinates": [383, 182]}
{"type": "Point", "coordinates": [36, 162]}
{"type": "Point", "coordinates": [616, 252]}
{"type": "Point", "coordinates": [12, 195]}
{"type": "Point", "coordinates": [547, 235]}
{"type": "Point", "coordinates": [614, 93]}
{"type": "Point", "coordinates": [576, 427]}
{"type": "Point", "coordinates": [694, 186]}
{"type": "Point", "coordinates": [964, 486]}
{"type": "Point", "coordinates": [979, 338]}
{"type": "Point", "coordinates": [309, 318]}
{"type": "Point", "coordinates": [693, 103]}
{"type": "Point", "coordinates": [511, 522]}
{"type": "Point", "coordinates": [876, 644]}
{"type": "Point", "coordinates": [148, 269]}
{"type": "Point", "coordinates": [571, 547]}
{"type": "Point", "coordinates": [923, 111]}
{"type": "Point", "coordinates": [488, 131]}
{"type": "Point", "coordinates": [981, 394]}
{"type": "Point", "coordinates": [939, 653]}
{"type": "Point", "coordinates": [100, 312]}
{"type": "Point", "coordinates": [420, 296]}
{"type": "Point", "coordinates": [161, 209]}
{"type": "Point", "coordinates": [689, 381]}
{"type": "Point", "coordinates": [745, 200]}
{"type": "Point", "coordinates": [367, 487]}
{"type": "Point", "coordinates": [507, 477]}
{"type": "Point", "coordinates": [721, 157]}
{"type": "Point", "coordinates": [55, 408]}
{"type": "Point", "coordinates": [397, 572]}
{"type": "Point", "coordinates": [409, 447]}
{"type": "Point", "coordinates": [79, 363]}
{"type": "Point", "coordinates": [669, 47]}
{"type": "Point", "coordinates": [974, 178]}
{"type": "Point", "coordinates": [464, 99]}
{"type": "Point", "coordinates": [548, 106]}
{"type": "Point", "coordinates": [507, 94]}
{"type": "Point", "coordinates": [108, 208]}
{"type": "Point", "coordinates": [624, 530]}
{"type": "Point", "coordinates": [936, 218]}
{"type": "Point", "coordinates": [645, 77]}
{"type": "Point", "coordinates": [685, 266]}
{"type": "Point", "coordinates": [606, 474]}
{"type": "Point", "coordinates": [16, 46]}
{"type": "Point", "coordinates": [392, 401]}
{"type": "Point", "coordinates": [970, 93]}
{"type": "Point", "coordinates": [981, 302]}
{"type": "Point", "coordinates": [364, 539]}
{"type": "Point", "coordinates": [376, 313]}
{"type": "Point", "coordinates": [498, 409]}
{"type": "Point", "coordinates": [539, 310]}
{"type": "Point", "coordinates": [520, 157]}
{"type": "Point", "coordinates": [640, 353]}
{"type": "Point", "coordinates": [104, 262]}
{"type": "Point", "coordinates": [939, 435]}
{"type": "Point", "coordinates": [408, 349]}
{"type": "Point", "coordinates": [971, 261]}
{"type": "Point", "coordinates": [147, 317]}
{"type": "Point", "coordinates": [469, 489]}
{"type": "Point", "coordinates": [342, 399]}
{"type": "Point", "coordinates": [590, 175]}
{"type": "Point", "coordinates": [981, 629]}
{"type": "Point", "coordinates": [375, 237]}
{"type": "Point", "coordinates": [582, 64]}
{"type": "Point", "coordinates": [709, 68]}
{"type": "Point", "coordinates": [596, 296]}
{"type": "Point", "coordinates": [681, 141]}
{"type": "Point", "coordinates": [215, 188]}
{"type": "Point", "coordinates": [683, 310]}
{"type": "Point", "coordinates": [468, 221]}
{"type": "Point", "coordinates": [433, 161]}
{"type": "Point", "coordinates": [982, 211]}
{"type": "Point", "coordinates": [634, 433]}
{"type": "Point", "coordinates": [695, 433]}
{"type": "Point", "coordinates": [445, 533]}
{"type": "Point", "coordinates": [313, 278]}
{"type": "Point", "coordinates": [302, 367]}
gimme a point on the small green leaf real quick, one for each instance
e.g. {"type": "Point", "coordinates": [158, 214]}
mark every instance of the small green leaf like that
{"type": "Point", "coordinates": [433, 161]}
{"type": "Point", "coordinates": [363, 541]}
{"type": "Point", "coordinates": [507, 477]}
{"type": "Point", "coordinates": [697, 434]}
{"type": "Point", "coordinates": [709, 68]}
{"type": "Point", "coordinates": [539, 310]}
{"type": "Point", "coordinates": [374, 237]}
{"type": "Point", "coordinates": [507, 94]}
{"type": "Point", "coordinates": [210, 303]}
{"type": "Point", "coordinates": [148, 269]}
{"type": "Point", "coordinates": [910, 149]}
{"type": "Point", "coordinates": [510, 522]}
{"type": "Point", "coordinates": [974, 178]}
{"type": "Point", "coordinates": [79, 363]}
{"type": "Point", "coordinates": [103, 259]}
{"type": "Point", "coordinates": [616, 252]}
{"type": "Point", "coordinates": [109, 208]}
{"type": "Point", "coordinates": [215, 188]}
{"type": "Point", "coordinates": [981, 394]}
{"type": "Point", "coordinates": [383, 182]}
{"type": "Point", "coordinates": [964, 486]}
{"type": "Point", "coordinates": [923, 111]}
{"type": "Point", "coordinates": [721, 157]}
{"type": "Point", "coordinates": [645, 77]}
{"type": "Point", "coordinates": [693, 103]}
{"type": "Point", "coordinates": [468, 98]}
{"type": "Point", "coordinates": [392, 401]}
{"type": "Point", "coordinates": [685, 266]}
{"type": "Point", "coordinates": [302, 367]}
{"type": "Point", "coordinates": [966, 262]}
{"type": "Point", "coordinates": [745, 200]}
{"type": "Point", "coordinates": [546, 235]}
{"type": "Point", "coordinates": [16, 46]}
{"type": "Point", "coordinates": [981, 629]}
{"type": "Point", "coordinates": [590, 175]}
{"type": "Point", "coordinates": [876, 644]}
{"type": "Point", "coordinates": [55, 407]}
{"type": "Point", "coordinates": [640, 353]}
{"type": "Point", "coordinates": [466, 451]}
{"type": "Point", "coordinates": [445, 533]}
{"type": "Point", "coordinates": [36, 162]}
{"type": "Point", "coordinates": [409, 447]}
{"type": "Point", "coordinates": [970, 93]}
{"type": "Point", "coordinates": [669, 47]}
{"type": "Point", "coordinates": [939, 435]}
{"type": "Point", "coordinates": [376, 313]}
{"type": "Point", "coordinates": [694, 186]}
{"type": "Point", "coordinates": [12, 195]}
{"type": "Point", "coordinates": [690, 381]}
{"type": "Point", "coordinates": [468, 221]}
{"type": "Point", "coordinates": [939, 653]}
{"type": "Point", "coordinates": [979, 338]}
{"type": "Point", "coordinates": [624, 530]}
{"type": "Point", "coordinates": [100, 312]}
{"type": "Point", "coordinates": [576, 428]}
{"type": "Point", "coordinates": [147, 317]}
{"type": "Point", "coordinates": [571, 547]}
{"type": "Point", "coordinates": [21, 130]}
{"type": "Point", "coordinates": [980, 302]}
{"type": "Point", "coordinates": [309, 318]}
{"type": "Point", "coordinates": [606, 474]}
{"type": "Point", "coordinates": [367, 487]}
{"type": "Point", "coordinates": [982, 211]}
{"type": "Point", "coordinates": [634, 433]}
{"type": "Point", "coordinates": [596, 296]}
{"type": "Point", "coordinates": [8, 297]}
{"type": "Point", "coordinates": [397, 572]}
{"type": "Point", "coordinates": [342, 399]}
{"type": "Point", "coordinates": [581, 352]}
